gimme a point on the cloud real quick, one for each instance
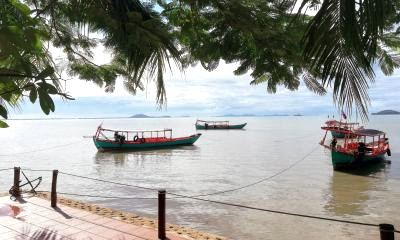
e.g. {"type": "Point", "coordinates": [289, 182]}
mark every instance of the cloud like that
{"type": "Point", "coordinates": [198, 92]}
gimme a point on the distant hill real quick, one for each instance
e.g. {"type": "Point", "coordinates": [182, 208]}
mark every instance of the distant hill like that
{"type": "Point", "coordinates": [140, 116]}
{"type": "Point", "coordinates": [237, 115]}
{"type": "Point", "coordinates": [298, 115]}
{"type": "Point", "coordinates": [145, 116]}
{"type": "Point", "coordinates": [276, 115]}
{"type": "Point", "coordinates": [387, 112]}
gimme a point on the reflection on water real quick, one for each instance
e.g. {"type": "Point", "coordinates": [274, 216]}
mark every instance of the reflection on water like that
{"type": "Point", "coordinates": [351, 189]}
{"type": "Point", "coordinates": [119, 157]}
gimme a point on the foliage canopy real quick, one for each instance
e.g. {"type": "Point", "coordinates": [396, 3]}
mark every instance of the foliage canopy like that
{"type": "Point", "coordinates": [337, 47]}
{"type": "Point", "coordinates": [140, 42]}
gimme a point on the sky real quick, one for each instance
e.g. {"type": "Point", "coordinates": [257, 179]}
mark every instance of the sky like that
{"type": "Point", "coordinates": [197, 92]}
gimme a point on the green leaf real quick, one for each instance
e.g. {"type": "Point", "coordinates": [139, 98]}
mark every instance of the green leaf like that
{"type": "Point", "coordinates": [51, 88]}
{"type": "Point", "coordinates": [33, 94]}
{"type": "Point", "coordinates": [3, 124]}
{"type": "Point", "coordinates": [46, 103]}
{"type": "Point", "coordinates": [8, 89]}
{"type": "Point", "coordinates": [49, 70]}
{"type": "Point", "coordinates": [3, 111]}
{"type": "Point", "coordinates": [23, 8]}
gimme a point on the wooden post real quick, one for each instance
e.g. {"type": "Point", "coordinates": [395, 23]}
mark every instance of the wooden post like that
{"type": "Point", "coordinates": [17, 192]}
{"type": "Point", "coordinates": [161, 214]}
{"type": "Point", "coordinates": [387, 231]}
{"type": "Point", "coordinates": [54, 189]}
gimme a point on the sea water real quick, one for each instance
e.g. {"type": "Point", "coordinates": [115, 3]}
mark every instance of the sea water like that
{"type": "Point", "coordinates": [282, 154]}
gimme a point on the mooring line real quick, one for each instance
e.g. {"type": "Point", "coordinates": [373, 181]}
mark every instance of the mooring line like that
{"type": "Point", "coordinates": [261, 180]}
{"type": "Point", "coordinates": [110, 197]}
{"type": "Point", "coordinates": [106, 181]}
{"type": "Point", "coordinates": [279, 212]}
{"type": "Point", "coordinates": [197, 195]}
{"type": "Point", "coordinates": [6, 169]}
{"type": "Point", "coordinates": [41, 150]}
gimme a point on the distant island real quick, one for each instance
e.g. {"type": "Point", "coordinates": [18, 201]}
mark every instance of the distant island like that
{"type": "Point", "coordinates": [298, 115]}
{"type": "Point", "coordinates": [146, 116]}
{"type": "Point", "coordinates": [237, 115]}
{"type": "Point", "coordinates": [276, 115]}
{"type": "Point", "coordinates": [386, 112]}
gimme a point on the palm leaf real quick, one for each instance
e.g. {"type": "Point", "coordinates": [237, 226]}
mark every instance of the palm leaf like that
{"type": "Point", "coordinates": [313, 85]}
{"type": "Point", "coordinates": [341, 44]}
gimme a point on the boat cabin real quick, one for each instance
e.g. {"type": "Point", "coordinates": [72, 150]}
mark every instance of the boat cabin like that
{"type": "Point", "coordinates": [370, 141]}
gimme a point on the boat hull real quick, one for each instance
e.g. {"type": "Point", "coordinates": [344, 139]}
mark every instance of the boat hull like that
{"type": "Point", "coordinates": [113, 145]}
{"type": "Point", "coordinates": [341, 160]}
{"type": "Point", "coordinates": [218, 127]}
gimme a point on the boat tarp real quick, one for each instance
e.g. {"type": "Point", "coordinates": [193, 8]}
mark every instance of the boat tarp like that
{"type": "Point", "coordinates": [369, 132]}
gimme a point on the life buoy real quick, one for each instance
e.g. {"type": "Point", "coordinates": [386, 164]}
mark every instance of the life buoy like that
{"type": "Point", "coordinates": [142, 140]}
{"type": "Point", "coordinates": [136, 138]}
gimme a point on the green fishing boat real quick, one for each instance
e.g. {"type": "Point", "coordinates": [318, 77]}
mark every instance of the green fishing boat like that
{"type": "Point", "coordinates": [362, 147]}
{"type": "Point", "coordinates": [108, 139]}
{"type": "Point", "coordinates": [214, 125]}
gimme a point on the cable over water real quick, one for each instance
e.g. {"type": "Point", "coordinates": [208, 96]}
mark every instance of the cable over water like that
{"type": "Point", "coordinates": [36, 170]}
{"type": "Point", "coordinates": [5, 169]}
{"type": "Point", "coordinates": [109, 197]}
{"type": "Point", "coordinates": [281, 212]}
{"type": "Point", "coordinates": [199, 195]}
{"type": "Point", "coordinates": [41, 149]}
{"type": "Point", "coordinates": [261, 180]}
{"type": "Point", "coordinates": [106, 181]}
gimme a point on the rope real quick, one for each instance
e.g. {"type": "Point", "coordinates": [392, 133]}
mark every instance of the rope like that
{"type": "Point", "coordinates": [40, 150]}
{"type": "Point", "coordinates": [207, 194]}
{"type": "Point", "coordinates": [261, 180]}
{"type": "Point", "coordinates": [5, 169]}
{"type": "Point", "coordinates": [98, 196]}
{"type": "Point", "coordinates": [88, 136]}
{"type": "Point", "coordinates": [106, 181]}
{"type": "Point", "coordinates": [36, 170]}
{"type": "Point", "coordinates": [279, 212]}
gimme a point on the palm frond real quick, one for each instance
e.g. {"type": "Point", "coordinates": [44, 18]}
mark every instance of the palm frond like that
{"type": "Point", "coordinates": [341, 44]}
{"type": "Point", "coordinates": [313, 85]}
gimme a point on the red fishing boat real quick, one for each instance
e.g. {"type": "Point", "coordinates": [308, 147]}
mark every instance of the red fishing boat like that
{"type": "Point", "coordinates": [358, 147]}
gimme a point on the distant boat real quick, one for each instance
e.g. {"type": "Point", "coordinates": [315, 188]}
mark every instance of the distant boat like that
{"type": "Point", "coordinates": [364, 146]}
{"type": "Point", "coordinates": [200, 124]}
{"type": "Point", "coordinates": [108, 139]}
{"type": "Point", "coordinates": [339, 129]}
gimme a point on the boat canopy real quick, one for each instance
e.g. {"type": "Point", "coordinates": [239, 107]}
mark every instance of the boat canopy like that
{"type": "Point", "coordinates": [109, 133]}
{"type": "Point", "coordinates": [369, 132]}
{"type": "Point", "coordinates": [137, 131]}
{"type": "Point", "coordinates": [213, 122]}
{"type": "Point", "coordinates": [337, 123]}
